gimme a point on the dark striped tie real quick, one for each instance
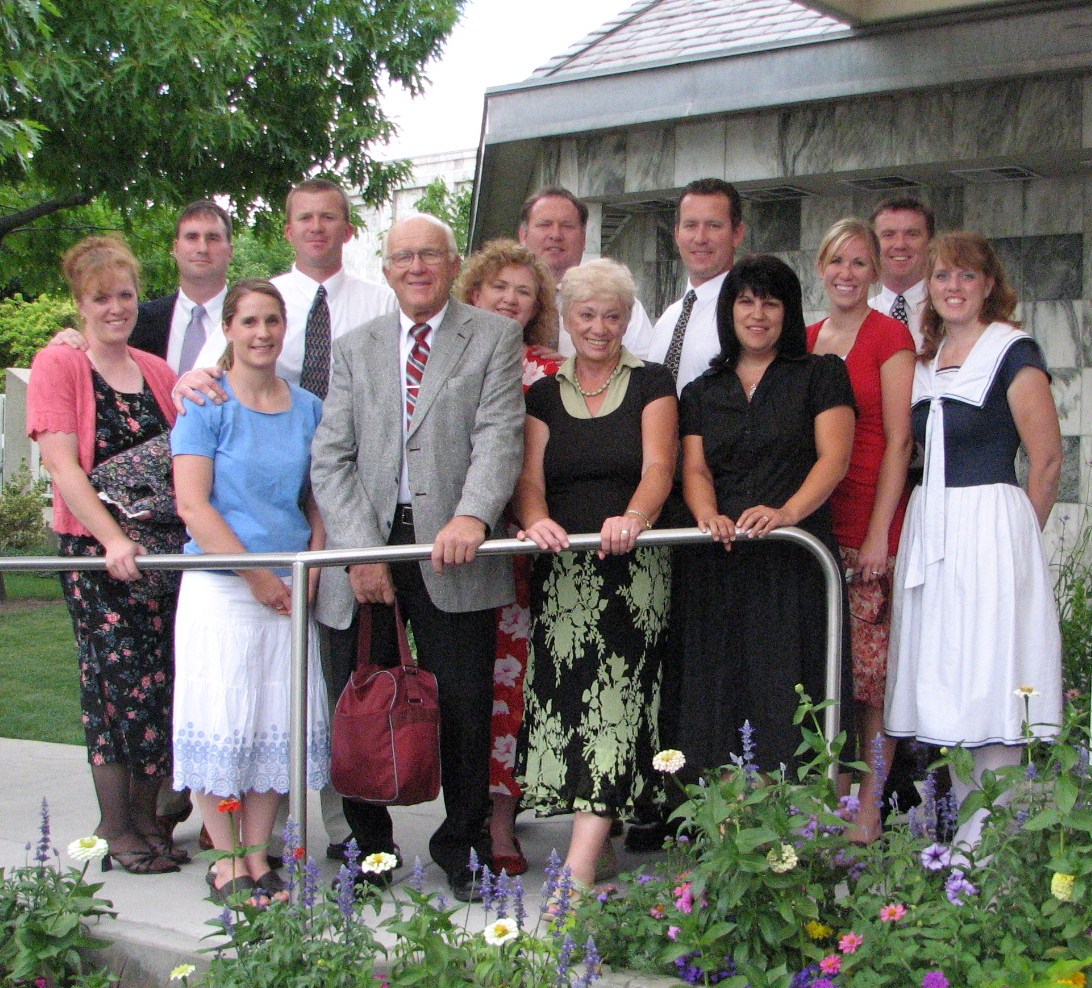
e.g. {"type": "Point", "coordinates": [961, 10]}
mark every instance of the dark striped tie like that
{"type": "Point", "coordinates": [315, 375]}
{"type": "Point", "coordinates": [415, 366]}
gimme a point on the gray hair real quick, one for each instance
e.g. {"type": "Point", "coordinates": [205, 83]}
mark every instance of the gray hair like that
{"type": "Point", "coordinates": [449, 234]}
{"type": "Point", "coordinates": [598, 279]}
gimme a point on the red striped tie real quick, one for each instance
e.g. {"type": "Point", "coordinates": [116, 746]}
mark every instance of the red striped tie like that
{"type": "Point", "coordinates": [415, 366]}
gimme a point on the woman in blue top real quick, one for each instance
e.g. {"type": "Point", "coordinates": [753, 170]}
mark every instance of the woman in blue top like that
{"type": "Point", "coordinates": [241, 478]}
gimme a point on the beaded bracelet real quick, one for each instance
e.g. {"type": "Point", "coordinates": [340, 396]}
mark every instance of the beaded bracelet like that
{"type": "Point", "coordinates": [642, 516]}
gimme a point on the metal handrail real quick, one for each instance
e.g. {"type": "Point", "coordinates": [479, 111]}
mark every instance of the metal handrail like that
{"type": "Point", "coordinates": [301, 562]}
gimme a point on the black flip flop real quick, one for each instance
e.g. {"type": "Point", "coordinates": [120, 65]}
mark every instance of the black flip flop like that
{"type": "Point", "coordinates": [222, 895]}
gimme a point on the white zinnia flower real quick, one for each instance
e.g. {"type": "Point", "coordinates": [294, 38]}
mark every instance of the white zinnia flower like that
{"type": "Point", "coordinates": [182, 971]}
{"type": "Point", "coordinates": [376, 864]}
{"type": "Point", "coordinates": [91, 848]}
{"type": "Point", "coordinates": [669, 760]}
{"type": "Point", "coordinates": [500, 932]}
{"type": "Point", "coordinates": [1024, 692]}
{"type": "Point", "coordinates": [782, 859]}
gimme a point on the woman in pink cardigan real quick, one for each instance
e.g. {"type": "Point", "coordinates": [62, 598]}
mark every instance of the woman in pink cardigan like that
{"type": "Point", "coordinates": [102, 420]}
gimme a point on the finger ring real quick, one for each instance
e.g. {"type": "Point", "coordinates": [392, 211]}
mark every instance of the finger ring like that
{"type": "Point", "coordinates": [625, 531]}
{"type": "Point", "coordinates": [765, 517]}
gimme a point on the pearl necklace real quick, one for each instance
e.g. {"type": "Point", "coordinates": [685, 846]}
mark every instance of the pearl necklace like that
{"type": "Point", "coordinates": [598, 391]}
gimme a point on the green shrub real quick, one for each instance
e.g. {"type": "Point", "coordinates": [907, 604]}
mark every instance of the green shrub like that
{"type": "Point", "coordinates": [25, 326]}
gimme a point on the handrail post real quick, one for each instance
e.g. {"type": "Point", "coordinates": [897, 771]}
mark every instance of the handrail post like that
{"type": "Point", "coordinates": [297, 717]}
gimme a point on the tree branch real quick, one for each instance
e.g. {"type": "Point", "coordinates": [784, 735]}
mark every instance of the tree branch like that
{"type": "Point", "coordinates": [11, 222]}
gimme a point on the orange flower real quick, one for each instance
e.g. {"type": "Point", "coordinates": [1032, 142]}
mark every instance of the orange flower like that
{"type": "Point", "coordinates": [230, 805]}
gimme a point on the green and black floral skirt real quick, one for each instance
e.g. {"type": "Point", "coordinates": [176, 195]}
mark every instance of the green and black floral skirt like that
{"type": "Point", "coordinates": [592, 689]}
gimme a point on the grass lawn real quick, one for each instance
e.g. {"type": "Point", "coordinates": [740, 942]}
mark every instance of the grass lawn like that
{"type": "Point", "coordinates": [39, 679]}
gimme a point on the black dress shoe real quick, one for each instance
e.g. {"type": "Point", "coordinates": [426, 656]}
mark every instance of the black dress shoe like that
{"type": "Point", "coordinates": [464, 885]}
{"type": "Point", "coordinates": [644, 837]}
{"type": "Point", "coordinates": [336, 852]}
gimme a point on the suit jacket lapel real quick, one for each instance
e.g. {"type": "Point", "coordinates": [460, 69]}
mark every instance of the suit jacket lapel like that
{"type": "Point", "coordinates": [449, 341]}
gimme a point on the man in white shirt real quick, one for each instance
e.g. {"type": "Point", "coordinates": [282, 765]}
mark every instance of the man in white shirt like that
{"type": "Point", "coordinates": [318, 226]}
{"type": "Point", "coordinates": [554, 225]}
{"type": "Point", "coordinates": [904, 226]}
{"type": "Point", "coordinates": [708, 230]}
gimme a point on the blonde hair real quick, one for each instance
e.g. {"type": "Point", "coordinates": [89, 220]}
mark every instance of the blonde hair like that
{"type": "Point", "coordinates": [841, 233]}
{"type": "Point", "coordinates": [90, 261]}
{"type": "Point", "coordinates": [236, 293]}
{"type": "Point", "coordinates": [598, 279]}
{"type": "Point", "coordinates": [972, 252]}
{"type": "Point", "coordinates": [493, 258]}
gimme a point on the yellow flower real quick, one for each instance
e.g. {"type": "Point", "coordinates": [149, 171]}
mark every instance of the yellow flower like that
{"type": "Point", "coordinates": [376, 864]}
{"type": "Point", "coordinates": [817, 930]}
{"type": "Point", "coordinates": [1061, 886]}
{"type": "Point", "coordinates": [782, 859]}
{"type": "Point", "coordinates": [1077, 979]}
{"type": "Point", "coordinates": [500, 932]}
{"type": "Point", "coordinates": [91, 848]}
{"type": "Point", "coordinates": [182, 971]}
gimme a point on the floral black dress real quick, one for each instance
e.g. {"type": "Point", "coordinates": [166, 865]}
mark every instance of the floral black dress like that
{"type": "Point", "coordinates": [124, 631]}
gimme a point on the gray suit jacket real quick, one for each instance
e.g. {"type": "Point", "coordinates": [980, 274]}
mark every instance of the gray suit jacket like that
{"type": "Point", "coordinates": [464, 449]}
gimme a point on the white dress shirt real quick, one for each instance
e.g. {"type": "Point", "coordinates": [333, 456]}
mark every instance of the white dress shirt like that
{"type": "Point", "coordinates": [640, 326]}
{"type": "Point", "coordinates": [915, 306]}
{"type": "Point", "coordinates": [701, 342]}
{"type": "Point", "coordinates": [180, 320]}
{"type": "Point", "coordinates": [352, 303]}
{"type": "Point", "coordinates": [405, 345]}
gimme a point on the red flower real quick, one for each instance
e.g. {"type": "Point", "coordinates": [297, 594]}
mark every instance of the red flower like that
{"type": "Point", "coordinates": [230, 805]}
{"type": "Point", "coordinates": [298, 854]}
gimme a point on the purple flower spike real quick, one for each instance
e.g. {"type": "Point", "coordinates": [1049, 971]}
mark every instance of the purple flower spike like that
{"type": "Point", "coordinates": [345, 891]}
{"type": "Point", "coordinates": [41, 851]}
{"type": "Point", "coordinates": [502, 889]}
{"type": "Point", "coordinates": [879, 764]}
{"type": "Point", "coordinates": [417, 876]}
{"type": "Point", "coordinates": [227, 921]}
{"type": "Point", "coordinates": [312, 875]}
{"type": "Point", "coordinates": [519, 908]}
{"type": "Point", "coordinates": [474, 864]}
{"type": "Point", "coordinates": [488, 889]}
{"type": "Point", "coordinates": [747, 733]}
{"type": "Point", "coordinates": [352, 854]}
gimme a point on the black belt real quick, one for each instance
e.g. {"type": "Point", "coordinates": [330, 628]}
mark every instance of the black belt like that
{"type": "Point", "coordinates": [403, 515]}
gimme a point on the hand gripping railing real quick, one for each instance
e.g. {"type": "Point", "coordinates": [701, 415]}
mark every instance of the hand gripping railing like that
{"type": "Point", "coordinates": [302, 562]}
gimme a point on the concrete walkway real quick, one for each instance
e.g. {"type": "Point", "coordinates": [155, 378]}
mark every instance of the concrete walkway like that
{"type": "Point", "coordinates": [162, 918]}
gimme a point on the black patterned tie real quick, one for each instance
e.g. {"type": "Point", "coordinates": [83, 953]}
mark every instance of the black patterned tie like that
{"type": "Point", "coordinates": [315, 376]}
{"type": "Point", "coordinates": [415, 366]}
{"type": "Point", "coordinates": [674, 348]}
{"type": "Point", "coordinates": [899, 310]}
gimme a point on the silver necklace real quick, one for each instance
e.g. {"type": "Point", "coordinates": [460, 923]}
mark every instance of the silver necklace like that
{"type": "Point", "coordinates": [598, 391]}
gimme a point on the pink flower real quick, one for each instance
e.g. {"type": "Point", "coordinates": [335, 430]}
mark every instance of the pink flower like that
{"type": "Point", "coordinates": [935, 979]}
{"type": "Point", "coordinates": [657, 912]}
{"type": "Point", "coordinates": [849, 943]}
{"type": "Point", "coordinates": [673, 932]}
{"type": "Point", "coordinates": [892, 913]}
{"type": "Point", "coordinates": [831, 964]}
{"type": "Point", "coordinates": [684, 898]}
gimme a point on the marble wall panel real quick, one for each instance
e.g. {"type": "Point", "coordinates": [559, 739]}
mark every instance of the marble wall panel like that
{"type": "Point", "coordinates": [601, 165]}
{"type": "Point", "coordinates": [862, 134]}
{"type": "Point", "coordinates": [1054, 205]}
{"type": "Point", "coordinates": [1011, 254]}
{"type": "Point", "coordinates": [549, 164]}
{"type": "Point", "coordinates": [1086, 469]}
{"type": "Point", "coordinates": [1053, 266]}
{"type": "Point", "coordinates": [699, 151]}
{"type": "Point", "coordinates": [994, 209]}
{"type": "Point", "coordinates": [806, 137]}
{"type": "Point", "coordinates": [1056, 327]}
{"type": "Point", "coordinates": [1068, 388]}
{"type": "Point", "coordinates": [922, 130]}
{"type": "Point", "coordinates": [803, 263]}
{"type": "Point", "coordinates": [1086, 406]}
{"type": "Point", "coordinates": [1015, 116]}
{"type": "Point", "coordinates": [1073, 463]}
{"type": "Point", "coordinates": [751, 144]}
{"type": "Point", "coordinates": [1087, 116]}
{"type": "Point", "coordinates": [650, 159]}
{"type": "Point", "coordinates": [773, 226]}
{"type": "Point", "coordinates": [670, 273]}
{"type": "Point", "coordinates": [949, 206]}
{"type": "Point", "coordinates": [819, 213]}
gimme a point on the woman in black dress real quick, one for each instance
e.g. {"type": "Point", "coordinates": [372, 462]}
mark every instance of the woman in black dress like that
{"type": "Point", "coordinates": [767, 433]}
{"type": "Point", "coordinates": [599, 457]}
{"type": "Point", "coordinates": [101, 418]}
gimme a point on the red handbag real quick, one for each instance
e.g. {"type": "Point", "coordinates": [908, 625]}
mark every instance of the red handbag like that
{"type": "Point", "coordinates": [386, 736]}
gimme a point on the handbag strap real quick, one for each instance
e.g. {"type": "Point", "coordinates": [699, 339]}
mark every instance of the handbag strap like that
{"type": "Point", "coordinates": [364, 637]}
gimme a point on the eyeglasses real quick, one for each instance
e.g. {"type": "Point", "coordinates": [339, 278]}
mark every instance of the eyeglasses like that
{"type": "Point", "coordinates": [430, 256]}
